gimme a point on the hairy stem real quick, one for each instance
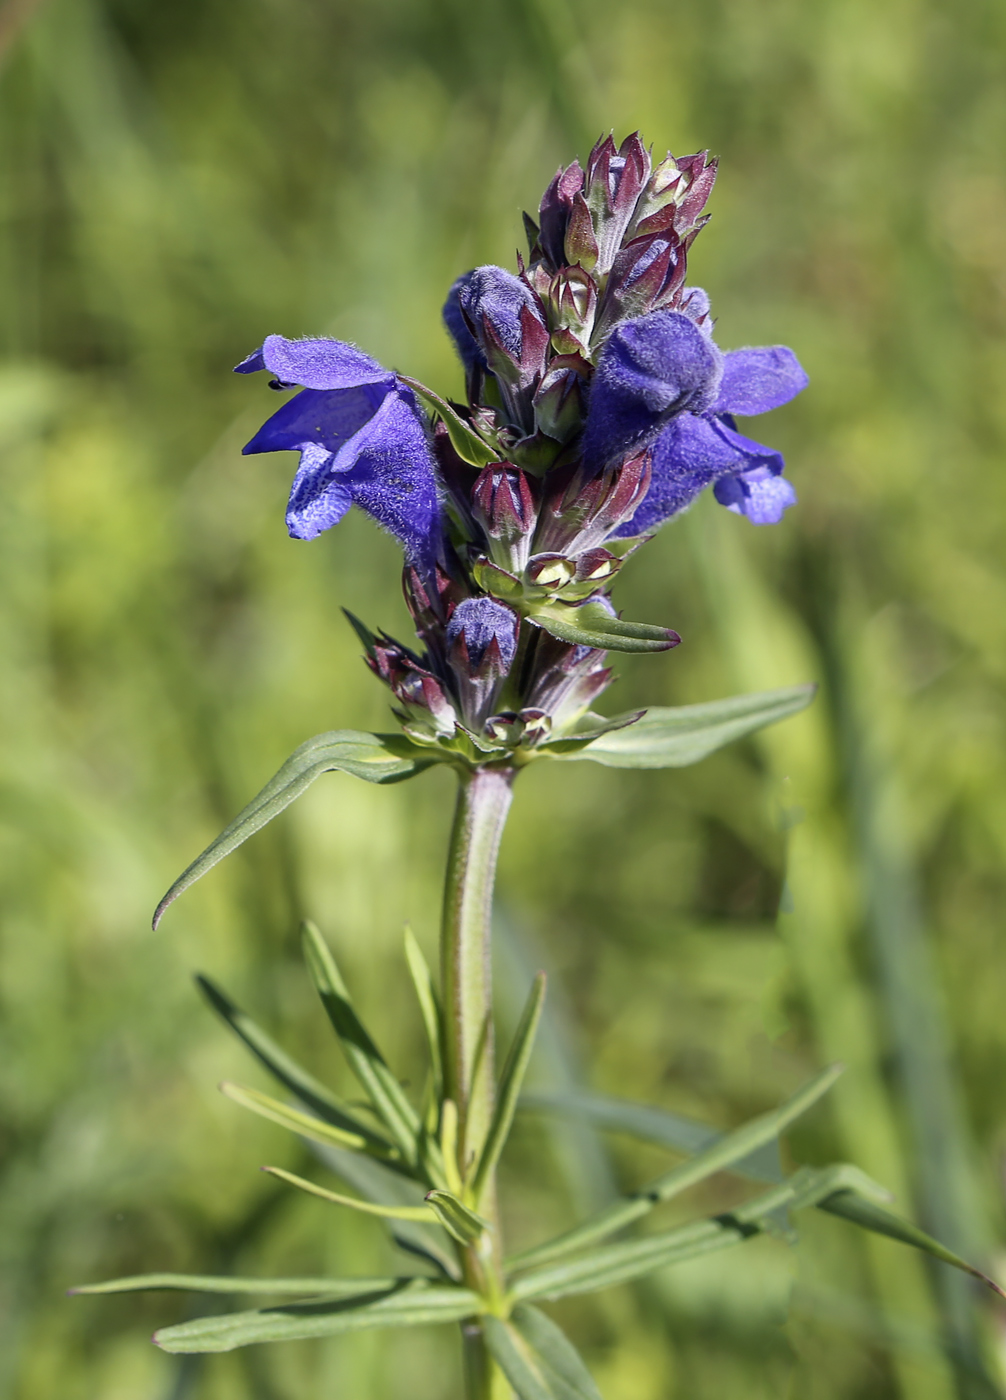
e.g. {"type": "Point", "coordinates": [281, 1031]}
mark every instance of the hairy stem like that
{"type": "Point", "coordinates": [466, 971]}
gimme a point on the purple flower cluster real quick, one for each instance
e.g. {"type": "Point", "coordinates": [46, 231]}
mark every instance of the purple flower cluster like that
{"type": "Point", "coordinates": [598, 407]}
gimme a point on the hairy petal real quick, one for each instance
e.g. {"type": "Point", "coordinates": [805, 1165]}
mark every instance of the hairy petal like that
{"type": "Point", "coordinates": [465, 343]}
{"type": "Point", "coordinates": [650, 369]}
{"type": "Point", "coordinates": [758, 379]}
{"type": "Point", "coordinates": [491, 296]}
{"type": "Point", "coordinates": [759, 494]}
{"type": "Point", "coordinates": [317, 363]}
{"type": "Point", "coordinates": [483, 621]}
{"type": "Point", "coordinates": [331, 419]}
{"type": "Point", "coordinates": [687, 456]}
{"type": "Point", "coordinates": [318, 499]}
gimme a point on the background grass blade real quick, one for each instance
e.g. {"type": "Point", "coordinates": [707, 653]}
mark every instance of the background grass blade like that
{"type": "Point", "coordinates": [410, 1304]}
{"type": "Point", "coordinates": [377, 758]}
{"type": "Point", "coordinates": [674, 738]}
{"type": "Point", "coordinates": [649, 1124]}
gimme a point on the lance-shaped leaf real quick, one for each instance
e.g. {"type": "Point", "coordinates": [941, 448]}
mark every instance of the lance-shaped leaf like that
{"type": "Point", "coordinates": [465, 441]}
{"type": "Point", "coordinates": [302, 1123]}
{"type": "Point", "coordinates": [362, 1055]}
{"type": "Point", "coordinates": [309, 1090]}
{"type": "Point", "coordinates": [537, 1358]}
{"type": "Point", "coordinates": [609, 1264]}
{"type": "Point", "coordinates": [729, 1148]}
{"type": "Point", "coordinates": [456, 1218]}
{"type": "Point", "coordinates": [648, 1124]}
{"type": "Point", "coordinates": [510, 1083]}
{"type": "Point", "coordinates": [675, 737]}
{"type": "Point", "coordinates": [219, 1283]}
{"type": "Point", "coordinates": [870, 1215]}
{"type": "Point", "coordinates": [373, 1180]}
{"type": "Point", "coordinates": [428, 1005]}
{"type": "Point", "coordinates": [378, 758]}
{"type": "Point", "coordinates": [422, 1213]}
{"type": "Point", "coordinates": [591, 625]}
{"type": "Point", "coordinates": [410, 1303]}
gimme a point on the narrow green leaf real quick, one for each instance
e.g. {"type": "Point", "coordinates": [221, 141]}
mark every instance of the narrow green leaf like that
{"type": "Point", "coordinates": [619, 1263]}
{"type": "Point", "coordinates": [674, 738]}
{"type": "Point", "coordinates": [302, 1123]}
{"type": "Point", "coordinates": [648, 1124]}
{"type": "Point", "coordinates": [465, 441]}
{"type": "Point", "coordinates": [213, 1283]}
{"type": "Point", "coordinates": [456, 1218]}
{"type": "Point", "coordinates": [378, 758]}
{"type": "Point", "coordinates": [309, 1090]}
{"type": "Point", "coordinates": [428, 1004]}
{"type": "Point", "coordinates": [730, 1148]}
{"type": "Point", "coordinates": [537, 1358]}
{"type": "Point", "coordinates": [591, 625]}
{"type": "Point", "coordinates": [410, 1303]}
{"type": "Point", "coordinates": [422, 1213]}
{"type": "Point", "coordinates": [871, 1216]}
{"type": "Point", "coordinates": [510, 1083]}
{"type": "Point", "coordinates": [449, 1145]}
{"type": "Point", "coordinates": [362, 1055]}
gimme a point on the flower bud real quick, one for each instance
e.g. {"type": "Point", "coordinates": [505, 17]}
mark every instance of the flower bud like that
{"type": "Point", "coordinates": [503, 504]}
{"type": "Point", "coordinates": [559, 399]}
{"type": "Point", "coordinates": [556, 206]}
{"type": "Point", "coordinates": [481, 644]}
{"type": "Point", "coordinates": [581, 509]}
{"type": "Point", "coordinates": [572, 304]}
{"type": "Point", "coordinates": [614, 182]}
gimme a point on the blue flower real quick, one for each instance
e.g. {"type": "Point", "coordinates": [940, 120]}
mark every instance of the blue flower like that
{"type": "Point", "coordinates": [362, 440]}
{"type": "Point", "coordinates": [661, 383]}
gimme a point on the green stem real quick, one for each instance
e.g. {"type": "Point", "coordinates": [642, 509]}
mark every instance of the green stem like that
{"type": "Point", "coordinates": [466, 971]}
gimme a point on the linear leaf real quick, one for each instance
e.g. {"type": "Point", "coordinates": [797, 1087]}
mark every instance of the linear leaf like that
{"type": "Point", "coordinates": [373, 1180]}
{"type": "Point", "coordinates": [726, 1150]}
{"type": "Point", "coordinates": [363, 1056]}
{"type": "Point", "coordinates": [465, 441]}
{"type": "Point", "coordinates": [303, 1123]}
{"type": "Point", "coordinates": [423, 1213]}
{"type": "Point", "coordinates": [428, 1005]}
{"type": "Point", "coordinates": [378, 758]}
{"type": "Point", "coordinates": [510, 1083]}
{"type": "Point", "coordinates": [214, 1283]}
{"type": "Point", "coordinates": [591, 625]}
{"type": "Point", "coordinates": [871, 1216]}
{"type": "Point", "coordinates": [618, 1263]}
{"type": "Point", "coordinates": [655, 1125]}
{"type": "Point", "coordinates": [537, 1359]}
{"type": "Point", "coordinates": [309, 1090]}
{"type": "Point", "coordinates": [456, 1218]}
{"type": "Point", "coordinates": [675, 737]}
{"type": "Point", "coordinates": [408, 1304]}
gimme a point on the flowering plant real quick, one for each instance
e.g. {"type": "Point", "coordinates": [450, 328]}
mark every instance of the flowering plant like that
{"type": "Point", "coordinates": [598, 407]}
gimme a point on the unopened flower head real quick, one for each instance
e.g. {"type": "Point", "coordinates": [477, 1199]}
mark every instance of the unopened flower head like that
{"type": "Point", "coordinates": [598, 407]}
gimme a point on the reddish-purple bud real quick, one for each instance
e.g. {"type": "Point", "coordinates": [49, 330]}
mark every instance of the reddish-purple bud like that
{"type": "Point", "coordinates": [559, 400]}
{"type": "Point", "coordinates": [556, 204]}
{"type": "Point", "coordinates": [580, 244]}
{"type": "Point", "coordinates": [503, 504]}
{"type": "Point", "coordinates": [615, 180]}
{"type": "Point", "coordinates": [581, 511]}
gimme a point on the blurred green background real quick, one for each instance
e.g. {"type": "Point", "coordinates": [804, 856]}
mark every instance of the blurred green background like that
{"type": "Point", "coordinates": [177, 181]}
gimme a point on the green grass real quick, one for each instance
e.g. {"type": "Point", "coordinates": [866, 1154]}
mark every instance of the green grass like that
{"type": "Point", "coordinates": [175, 182]}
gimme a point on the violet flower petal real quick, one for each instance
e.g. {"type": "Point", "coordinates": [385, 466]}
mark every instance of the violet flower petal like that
{"type": "Point", "coordinates": [758, 379]}
{"type": "Point", "coordinates": [650, 369]}
{"type": "Point", "coordinates": [317, 363]}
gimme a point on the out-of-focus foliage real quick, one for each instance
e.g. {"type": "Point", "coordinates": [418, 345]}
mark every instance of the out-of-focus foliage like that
{"type": "Point", "coordinates": [175, 182]}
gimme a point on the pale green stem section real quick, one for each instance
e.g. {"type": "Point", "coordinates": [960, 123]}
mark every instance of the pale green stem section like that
{"type": "Point", "coordinates": [466, 972]}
